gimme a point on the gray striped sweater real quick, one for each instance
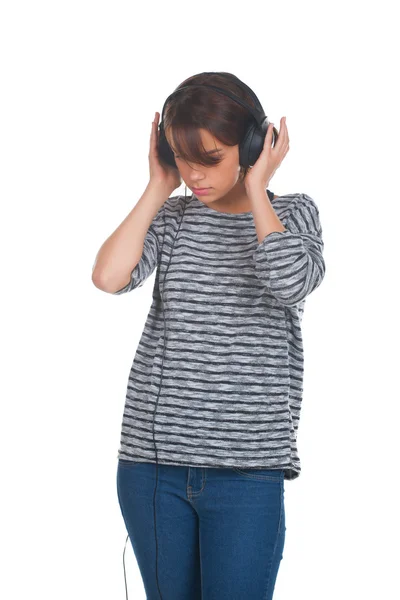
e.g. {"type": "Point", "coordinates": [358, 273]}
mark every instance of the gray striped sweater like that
{"type": "Point", "coordinates": [228, 390]}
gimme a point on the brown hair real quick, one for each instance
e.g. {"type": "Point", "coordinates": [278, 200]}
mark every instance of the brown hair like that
{"type": "Point", "coordinates": [204, 108]}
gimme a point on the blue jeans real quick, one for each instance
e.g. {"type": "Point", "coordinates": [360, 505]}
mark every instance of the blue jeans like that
{"type": "Point", "coordinates": [220, 531]}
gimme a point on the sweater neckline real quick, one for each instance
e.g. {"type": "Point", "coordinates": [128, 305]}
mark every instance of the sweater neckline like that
{"type": "Point", "coordinates": [210, 210]}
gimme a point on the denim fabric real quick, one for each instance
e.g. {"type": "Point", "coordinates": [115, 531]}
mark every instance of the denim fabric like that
{"type": "Point", "coordinates": [220, 531]}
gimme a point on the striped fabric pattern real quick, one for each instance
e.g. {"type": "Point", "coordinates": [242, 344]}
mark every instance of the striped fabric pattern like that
{"type": "Point", "coordinates": [228, 390]}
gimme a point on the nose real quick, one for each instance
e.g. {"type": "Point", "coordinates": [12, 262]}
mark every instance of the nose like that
{"type": "Point", "coordinates": [195, 176]}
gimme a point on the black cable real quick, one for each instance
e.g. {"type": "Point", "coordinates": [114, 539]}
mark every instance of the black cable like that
{"type": "Point", "coordinates": [159, 389]}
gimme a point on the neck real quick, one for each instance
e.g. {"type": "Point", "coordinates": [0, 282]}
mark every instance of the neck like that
{"type": "Point", "coordinates": [235, 201]}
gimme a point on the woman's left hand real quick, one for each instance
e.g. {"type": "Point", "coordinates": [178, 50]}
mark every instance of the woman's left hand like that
{"type": "Point", "coordinates": [261, 173]}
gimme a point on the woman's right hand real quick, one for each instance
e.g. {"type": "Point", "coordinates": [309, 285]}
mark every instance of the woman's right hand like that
{"type": "Point", "coordinates": [161, 173]}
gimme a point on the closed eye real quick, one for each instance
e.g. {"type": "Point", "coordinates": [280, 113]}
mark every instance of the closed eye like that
{"type": "Point", "coordinates": [207, 153]}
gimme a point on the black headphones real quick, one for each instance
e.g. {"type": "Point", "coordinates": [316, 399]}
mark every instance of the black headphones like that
{"type": "Point", "coordinates": [250, 149]}
{"type": "Point", "coordinates": [252, 143]}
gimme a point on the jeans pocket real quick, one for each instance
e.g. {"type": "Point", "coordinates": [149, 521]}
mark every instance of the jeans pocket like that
{"type": "Point", "coordinates": [263, 473]}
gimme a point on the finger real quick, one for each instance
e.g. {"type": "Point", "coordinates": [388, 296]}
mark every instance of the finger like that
{"type": "Point", "coordinates": [284, 129]}
{"type": "Point", "coordinates": [153, 138]}
{"type": "Point", "coordinates": [156, 125]}
{"type": "Point", "coordinates": [268, 137]}
{"type": "Point", "coordinates": [287, 133]}
{"type": "Point", "coordinates": [282, 136]}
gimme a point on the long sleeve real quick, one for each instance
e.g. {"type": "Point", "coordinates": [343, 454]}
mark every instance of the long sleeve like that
{"type": "Point", "coordinates": [290, 263]}
{"type": "Point", "coordinates": [151, 253]}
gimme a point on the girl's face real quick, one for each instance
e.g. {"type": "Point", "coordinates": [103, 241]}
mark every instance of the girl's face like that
{"type": "Point", "coordinates": [221, 179]}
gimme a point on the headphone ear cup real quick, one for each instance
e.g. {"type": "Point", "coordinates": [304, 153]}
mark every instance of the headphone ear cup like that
{"type": "Point", "coordinates": [251, 146]}
{"type": "Point", "coordinates": [164, 149]}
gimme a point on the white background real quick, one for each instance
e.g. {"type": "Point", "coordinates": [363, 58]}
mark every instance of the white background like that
{"type": "Point", "coordinates": [81, 82]}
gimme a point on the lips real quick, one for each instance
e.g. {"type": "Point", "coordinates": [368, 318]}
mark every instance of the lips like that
{"type": "Point", "coordinates": [200, 189]}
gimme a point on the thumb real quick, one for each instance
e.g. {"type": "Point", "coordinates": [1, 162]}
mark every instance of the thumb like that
{"type": "Point", "coordinates": [270, 131]}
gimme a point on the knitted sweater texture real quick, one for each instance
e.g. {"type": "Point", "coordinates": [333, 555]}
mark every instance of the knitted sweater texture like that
{"type": "Point", "coordinates": [223, 376]}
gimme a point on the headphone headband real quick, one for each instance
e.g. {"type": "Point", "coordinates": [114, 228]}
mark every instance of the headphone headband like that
{"type": "Point", "coordinates": [257, 112]}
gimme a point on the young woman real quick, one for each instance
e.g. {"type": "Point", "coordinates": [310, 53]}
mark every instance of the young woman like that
{"type": "Point", "coordinates": [209, 430]}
